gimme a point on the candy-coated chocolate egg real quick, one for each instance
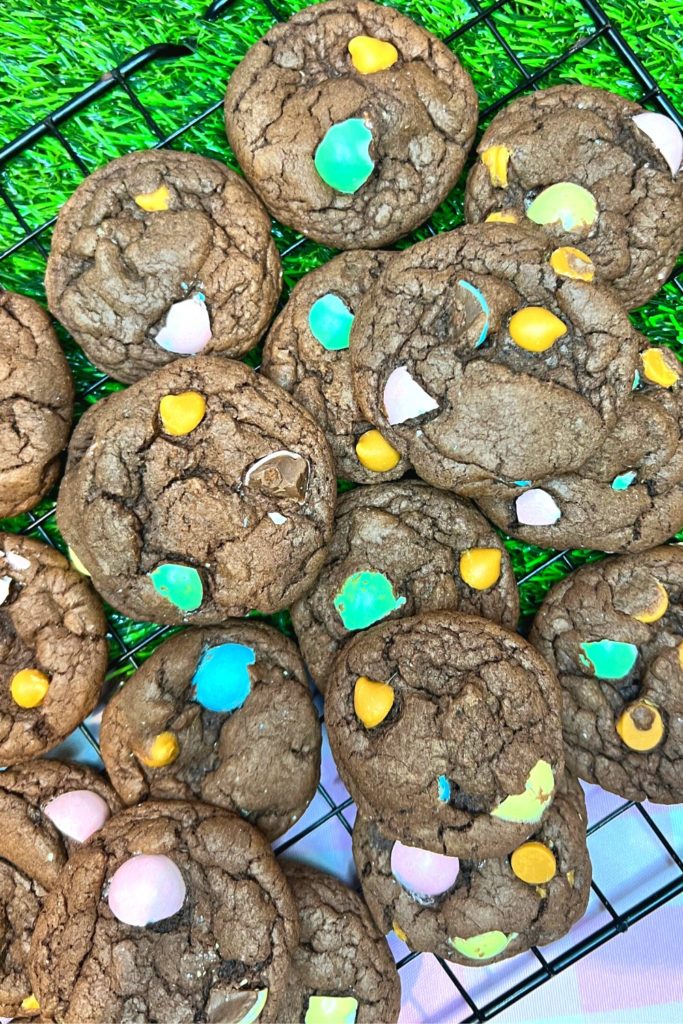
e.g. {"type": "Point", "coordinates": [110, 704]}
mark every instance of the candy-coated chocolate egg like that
{"type": "Point", "coordinates": [536, 508]}
{"type": "Point", "coordinates": [610, 659]}
{"type": "Point", "coordinates": [375, 453]}
{"type": "Point", "coordinates": [29, 687]}
{"type": "Point", "coordinates": [423, 872]}
{"type": "Point", "coordinates": [572, 263]}
{"type": "Point", "coordinates": [483, 312]}
{"type": "Point", "coordinates": [162, 751]}
{"type": "Point", "coordinates": [535, 329]}
{"type": "Point", "coordinates": [366, 597]}
{"type": "Point", "coordinates": [145, 889]}
{"type": "Point", "coordinates": [565, 203]}
{"type": "Point", "coordinates": [657, 609]}
{"type": "Point", "coordinates": [78, 813]}
{"type": "Point", "coordinates": [180, 414]}
{"type": "Point", "coordinates": [484, 946]}
{"type": "Point", "coordinates": [187, 329]}
{"type": "Point", "coordinates": [179, 584]}
{"type": "Point", "coordinates": [372, 701]}
{"type": "Point", "coordinates": [480, 567]}
{"type": "Point", "coordinates": [369, 55]}
{"type": "Point", "coordinates": [76, 563]}
{"type": "Point", "coordinates": [152, 201]}
{"type": "Point", "coordinates": [528, 807]}
{"type": "Point", "coordinates": [404, 398]}
{"type": "Point", "coordinates": [623, 481]}
{"type": "Point", "coordinates": [330, 321]}
{"type": "Point", "coordinates": [331, 1010]}
{"type": "Point", "coordinates": [343, 158]}
{"type": "Point", "coordinates": [496, 159]}
{"type": "Point", "coordinates": [281, 474]}
{"type": "Point", "coordinates": [533, 863]}
{"type": "Point", "coordinates": [665, 135]}
{"type": "Point", "coordinates": [443, 789]}
{"type": "Point", "coordinates": [222, 681]}
{"type": "Point", "coordinates": [640, 726]}
{"type": "Point", "coordinates": [503, 217]}
{"type": "Point", "coordinates": [658, 366]}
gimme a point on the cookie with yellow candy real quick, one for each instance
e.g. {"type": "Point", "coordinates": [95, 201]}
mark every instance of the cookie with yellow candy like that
{"type": "Point", "coordinates": [612, 632]}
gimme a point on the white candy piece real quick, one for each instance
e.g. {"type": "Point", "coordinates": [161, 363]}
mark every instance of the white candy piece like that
{"type": "Point", "coordinates": [16, 562]}
{"type": "Point", "coordinates": [404, 398]}
{"type": "Point", "coordinates": [664, 133]}
{"type": "Point", "coordinates": [537, 508]}
{"type": "Point", "coordinates": [5, 583]}
{"type": "Point", "coordinates": [187, 329]}
{"type": "Point", "coordinates": [277, 518]}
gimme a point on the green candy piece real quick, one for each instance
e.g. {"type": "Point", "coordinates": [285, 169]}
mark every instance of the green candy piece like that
{"type": "Point", "coordinates": [572, 205]}
{"type": "Point", "coordinates": [366, 597]}
{"type": "Point", "coordinates": [343, 159]}
{"type": "Point", "coordinates": [610, 659]}
{"type": "Point", "coordinates": [179, 584]}
{"type": "Point", "coordinates": [528, 807]}
{"type": "Point", "coordinates": [331, 1010]}
{"type": "Point", "coordinates": [484, 946]}
{"type": "Point", "coordinates": [330, 322]}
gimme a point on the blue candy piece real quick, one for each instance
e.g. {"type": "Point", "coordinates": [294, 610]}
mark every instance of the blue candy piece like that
{"type": "Point", "coordinates": [444, 789]}
{"type": "Point", "coordinates": [522, 483]}
{"type": "Point", "coordinates": [221, 679]}
{"type": "Point", "coordinates": [330, 321]}
{"type": "Point", "coordinates": [484, 306]}
{"type": "Point", "coordinates": [624, 480]}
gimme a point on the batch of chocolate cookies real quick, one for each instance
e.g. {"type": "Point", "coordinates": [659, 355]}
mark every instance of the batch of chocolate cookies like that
{"type": "Point", "coordinates": [487, 379]}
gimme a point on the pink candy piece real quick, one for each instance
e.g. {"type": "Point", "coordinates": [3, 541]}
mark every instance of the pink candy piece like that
{"type": "Point", "coordinates": [536, 508]}
{"type": "Point", "coordinates": [422, 872]}
{"type": "Point", "coordinates": [77, 814]}
{"type": "Point", "coordinates": [404, 398]}
{"type": "Point", "coordinates": [187, 329]}
{"type": "Point", "coordinates": [145, 889]}
{"type": "Point", "coordinates": [665, 135]}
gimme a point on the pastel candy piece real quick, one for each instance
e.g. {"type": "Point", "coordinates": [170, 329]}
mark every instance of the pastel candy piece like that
{"type": "Point", "coordinates": [610, 659]}
{"type": "Point", "coordinates": [502, 217]}
{"type": "Point", "coordinates": [330, 321]}
{"type": "Point", "coordinates": [222, 681]}
{"type": "Point", "coordinates": [480, 567]}
{"type": "Point", "coordinates": [78, 813]}
{"type": "Point", "coordinates": [536, 508]}
{"type": "Point", "coordinates": [533, 863]}
{"type": "Point", "coordinates": [640, 726]}
{"type": "Point", "coordinates": [162, 751]}
{"type": "Point", "coordinates": [443, 789]}
{"type": "Point", "coordinates": [180, 414]}
{"type": "Point", "coordinates": [145, 889]}
{"type": "Point", "coordinates": [29, 687]}
{"type": "Point", "coordinates": [484, 946]}
{"type": "Point", "coordinates": [331, 1010]}
{"type": "Point", "coordinates": [535, 329]}
{"type": "Point", "coordinates": [5, 584]}
{"type": "Point", "coordinates": [241, 1006]}
{"type": "Point", "coordinates": [529, 806]}
{"type": "Point", "coordinates": [343, 157]}
{"type": "Point", "coordinates": [375, 453]}
{"type": "Point", "coordinates": [398, 932]}
{"type": "Point", "coordinates": [483, 310]}
{"type": "Point", "coordinates": [404, 399]}
{"type": "Point", "coordinates": [656, 609]}
{"type": "Point", "coordinates": [187, 329]}
{"type": "Point", "coordinates": [370, 55]}
{"type": "Point", "coordinates": [623, 481]}
{"type": "Point", "coordinates": [665, 135]}
{"type": "Point", "coordinates": [152, 201]}
{"type": "Point", "coordinates": [423, 872]}
{"type": "Point", "coordinates": [179, 584]}
{"type": "Point", "coordinates": [496, 159]}
{"type": "Point", "coordinates": [565, 203]}
{"type": "Point", "coordinates": [366, 597]}
{"type": "Point", "coordinates": [15, 561]}
{"type": "Point", "coordinates": [277, 518]}
{"type": "Point", "coordinates": [282, 474]}
{"type": "Point", "coordinates": [372, 701]}
{"type": "Point", "coordinates": [29, 1003]}
{"type": "Point", "coordinates": [572, 263]}
{"type": "Point", "coordinates": [636, 380]}
{"type": "Point", "coordinates": [658, 367]}
{"type": "Point", "coordinates": [76, 563]}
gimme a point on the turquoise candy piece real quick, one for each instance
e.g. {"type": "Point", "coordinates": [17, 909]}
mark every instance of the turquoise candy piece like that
{"type": "Point", "coordinates": [366, 597]}
{"type": "Point", "coordinates": [484, 307]}
{"type": "Point", "coordinates": [179, 584]}
{"type": "Point", "coordinates": [444, 789]}
{"type": "Point", "coordinates": [522, 483]}
{"type": "Point", "coordinates": [221, 680]}
{"type": "Point", "coordinates": [624, 480]}
{"type": "Point", "coordinates": [611, 659]}
{"type": "Point", "coordinates": [330, 322]}
{"type": "Point", "coordinates": [636, 381]}
{"type": "Point", "coordinates": [331, 1010]}
{"type": "Point", "coordinates": [343, 157]}
{"type": "Point", "coordinates": [566, 203]}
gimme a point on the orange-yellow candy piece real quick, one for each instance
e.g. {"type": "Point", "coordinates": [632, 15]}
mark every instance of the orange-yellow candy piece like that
{"type": "Point", "coordinates": [375, 453]}
{"type": "Point", "coordinates": [480, 567]}
{"type": "Point", "coordinates": [533, 863]}
{"type": "Point", "coordinates": [372, 701]}
{"type": "Point", "coordinates": [30, 1003]}
{"type": "Point", "coordinates": [398, 931]}
{"type": "Point", "coordinates": [369, 55]}
{"type": "Point", "coordinates": [163, 751]}
{"type": "Point", "coordinates": [570, 262]}
{"type": "Point", "coordinates": [657, 610]}
{"type": "Point", "coordinates": [76, 563]}
{"type": "Point", "coordinates": [496, 159]}
{"type": "Point", "coordinates": [180, 414]}
{"type": "Point", "coordinates": [502, 217]}
{"type": "Point", "coordinates": [640, 726]}
{"type": "Point", "coordinates": [657, 369]}
{"type": "Point", "coordinates": [29, 687]}
{"type": "Point", "coordinates": [535, 328]}
{"type": "Point", "coordinates": [680, 654]}
{"type": "Point", "coordinates": [152, 201]}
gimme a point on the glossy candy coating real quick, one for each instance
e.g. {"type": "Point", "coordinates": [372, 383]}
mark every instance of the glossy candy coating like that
{"type": "Point", "coordinates": [179, 584]}
{"type": "Point", "coordinates": [145, 889]}
{"type": "Point", "coordinates": [343, 157]}
{"type": "Point", "coordinates": [221, 680]}
{"type": "Point", "coordinates": [330, 321]}
{"type": "Point", "coordinates": [370, 55]}
{"type": "Point", "coordinates": [375, 453]}
{"type": "Point", "coordinates": [78, 813]}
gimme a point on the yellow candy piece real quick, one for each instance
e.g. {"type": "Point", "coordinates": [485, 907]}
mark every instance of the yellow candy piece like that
{"type": "Point", "coordinates": [399, 932]}
{"type": "Point", "coordinates": [372, 701]}
{"type": "Point", "coordinates": [657, 369]}
{"type": "Point", "coordinates": [480, 567]}
{"type": "Point", "coordinates": [30, 1003]}
{"type": "Point", "coordinates": [571, 875]}
{"type": "Point", "coordinates": [180, 414]}
{"type": "Point", "coordinates": [151, 201]}
{"type": "Point", "coordinates": [656, 610]}
{"type": "Point", "coordinates": [369, 55]}
{"type": "Point", "coordinates": [163, 750]}
{"type": "Point", "coordinates": [535, 329]}
{"type": "Point", "coordinates": [640, 726]}
{"type": "Point", "coordinates": [533, 863]}
{"type": "Point", "coordinates": [76, 562]}
{"type": "Point", "coordinates": [496, 159]}
{"type": "Point", "coordinates": [29, 687]}
{"type": "Point", "coordinates": [502, 217]}
{"type": "Point", "coordinates": [570, 262]}
{"type": "Point", "coordinates": [375, 453]}
{"type": "Point", "coordinates": [680, 654]}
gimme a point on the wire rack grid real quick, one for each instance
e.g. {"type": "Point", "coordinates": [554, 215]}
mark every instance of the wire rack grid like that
{"type": "Point", "coordinates": [74, 130]}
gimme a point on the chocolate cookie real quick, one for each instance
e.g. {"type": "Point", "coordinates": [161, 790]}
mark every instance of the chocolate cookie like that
{"type": "Point", "coordinates": [47, 810]}
{"type": "Point", "coordinates": [342, 971]}
{"type": "Point", "coordinates": [224, 715]}
{"type": "Point", "coordinates": [477, 912]}
{"type": "Point", "coordinates": [201, 492]}
{"type": "Point", "coordinates": [399, 549]}
{"type": "Point", "coordinates": [600, 174]}
{"type": "Point", "coordinates": [613, 632]}
{"type": "Point", "coordinates": [351, 122]}
{"type": "Point", "coordinates": [627, 497]}
{"type": "Point", "coordinates": [306, 353]}
{"type": "Point", "coordinates": [160, 254]}
{"type": "Point", "coordinates": [36, 404]}
{"type": "Point", "coordinates": [174, 912]}
{"type": "Point", "coordinates": [446, 730]}
{"type": "Point", "coordinates": [53, 648]}
{"type": "Point", "coordinates": [477, 361]}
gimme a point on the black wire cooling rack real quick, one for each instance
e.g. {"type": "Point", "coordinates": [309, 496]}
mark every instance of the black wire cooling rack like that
{"type": "Point", "coordinates": [129, 658]}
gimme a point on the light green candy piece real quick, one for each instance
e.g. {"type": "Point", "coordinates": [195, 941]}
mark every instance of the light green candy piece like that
{"type": "Point", "coordinates": [528, 807]}
{"type": "Point", "coordinates": [331, 1010]}
{"type": "Point", "coordinates": [343, 159]}
{"type": "Point", "coordinates": [366, 597]}
{"type": "Point", "coordinates": [484, 946]}
{"type": "Point", "coordinates": [179, 584]}
{"type": "Point", "coordinates": [330, 321]}
{"type": "Point", "coordinates": [257, 1009]}
{"type": "Point", "coordinates": [611, 659]}
{"type": "Point", "coordinates": [572, 205]}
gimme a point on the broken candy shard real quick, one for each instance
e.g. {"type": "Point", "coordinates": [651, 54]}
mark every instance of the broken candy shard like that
{"type": "Point", "coordinates": [404, 398]}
